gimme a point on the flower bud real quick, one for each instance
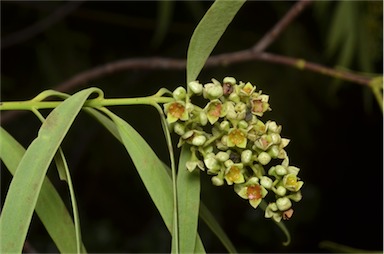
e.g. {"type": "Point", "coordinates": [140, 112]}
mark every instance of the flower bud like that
{"type": "Point", "coordinates": [217, 181]}
{"type": "Point", "coordinates": [246, 156]}
{"type": "Point", "coordinates": [179, 93]}
{"type": "Point", "coordinates": [203, 118]}
{"type": "Point", "coordinates": [242, 124]}
{"type": "Point", "coordinates": [228, 163]}
{"type": "Point", "coordinates": [222, 156]}
{"type": "Point", "coordinates": [264, 158]}
{"type": "Point", "coordinates": [266, 182]}
{"type": "Point", "coordinates": [280, 170]}
{"type": "Point", "coordinates": [272, 126]}
{"type": "Point", "coordinates": [212, 91]}
{"type": "Point", "coordinates": [199, 140]}
{"type": "Point", "coordinates": [179, 128]}
{"type": "Point", "coordinates": [195, 87]}
{"type": "Point", "coordinates": [273, 151]}
{"type": "Point", "coordinates": [210, 162]}
{"type": "Point", "coordinates": [229, 80]}
{"type": "Point", "coordinates": [224, 125]}
{"type": "Point", "coordinates": [253, 181]}
{"type": "Point", "coordinates": [283, 203]}
{"type": "Point", "coordinates": [281, 191]}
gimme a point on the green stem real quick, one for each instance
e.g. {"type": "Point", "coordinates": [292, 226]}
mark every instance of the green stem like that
{"type": "Point", "coordinates": [175, 230]}
{"type": "Point", "coordinates": [93, 103]}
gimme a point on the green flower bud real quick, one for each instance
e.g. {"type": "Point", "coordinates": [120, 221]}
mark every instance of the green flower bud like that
{"type": "Point", "coordinates": [217, 181]}
{"type": "Point", "coordinates": [212, 91]}
{"type": "Point", "coordinates": [222, 156]}
{"type": "Point", "coordinates": [283, 203]}
{"type": "Point", "coordinates": [266, 182]}
{"type": "Point", "coordinates": [228, 163]}
{"type": "Point", "coordinates": [273, 151]}
{"type": "Point", "coordinates": [280, 170]}
{"type": "Point", "coordinates": [253, 181]}
{"type": "Point", "coordinates": [195, 87]}
{"type": "Point", "coordinates": [224, 125]}
{"type": "Point", "coordinates": [179, 93]}
{"type": "Point", "coordinates": [272, 126]}
{"type": "Point", "coordinates": [203, 118]}
{"type": "Point", "coordinates": [246, 156]}
{"type": "Point", "coordinates": [179, 129]}
{"type": "Point", "coordinates": [242, 124]}
{"type": "Point", "coordinates": [281, 191]}
{"type": "Point", "coordinates": [211, 162]}
{"type": "Point", "coordinates": [199, 140]}
{"type": "Point", "coordinates": [264, 158]}
{"type": "Point", "coordinates": [229, 80]}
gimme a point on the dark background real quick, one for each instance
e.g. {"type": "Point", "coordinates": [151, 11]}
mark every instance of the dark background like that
{"type": "Point", "coordinates": [335, 127]}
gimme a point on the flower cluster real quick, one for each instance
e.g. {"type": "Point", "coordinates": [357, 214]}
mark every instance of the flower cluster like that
{"type": "Point", "coordinates": [228, 139]}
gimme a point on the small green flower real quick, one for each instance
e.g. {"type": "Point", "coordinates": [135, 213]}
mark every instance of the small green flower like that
{"type": "Point", "coordinates": [272, 212]}
{"type": "Point", "coordinates": [176, 110]}
{"type": "Point", "coordinates": [260, 104]}
{"type": "Point", "coordinates": [252, 191]}
{"type": "Point", "coordinates": [291, 182]}
{"type": "Point", "coordinates": [193, 164]}
{"type": "Point", "coordinates": [237, 137]}
{"type": "Point", "coordinates": [234, 174]}
{"type": "Point", "coordinates": [247, 89]}
{"type": "Point", "coordinates": [214, 110]}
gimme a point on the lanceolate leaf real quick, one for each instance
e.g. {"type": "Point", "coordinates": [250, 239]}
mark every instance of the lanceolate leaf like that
{"type": "Point", "coordinates": [26, 184]}
{"type": "Point", "coordinates": [207, 34]}
{"type": "Point", "coordinates": [151, 170]}
{"type": "Point", "coordinates": [188, 195]}
{"type": "Point", "coordinates": [49, 207]}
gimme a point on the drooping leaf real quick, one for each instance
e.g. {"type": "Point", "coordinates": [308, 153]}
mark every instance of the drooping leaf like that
{"type": "Point", "coordinates": [207, 34]}
{"type": "Point", "coordinates": [49, 207]}
{"type": "Point", "coordinates": [188, 195]}
{"type": "Point", "coordinates": [151, 170]}
{"type": "Point", "coordinates": [26, 184]}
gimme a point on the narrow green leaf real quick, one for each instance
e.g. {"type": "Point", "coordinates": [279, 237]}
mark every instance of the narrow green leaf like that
{"type": "Point", "coordinates": [152, 171]}
{"type": "Point", "coordinates": [207, 34]}
{"type": "Point", "coordinates": [26, 184]}
{"type": "Point", "coordinates": [49, 207]}
{"type": "Point", "coordinates": [215, 227]}
{"type": "Point", "coordinates": [188, 195]}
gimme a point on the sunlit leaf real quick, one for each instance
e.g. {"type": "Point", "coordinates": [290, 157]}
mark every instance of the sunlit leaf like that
{"type": "Point", "coordinates": [208, 32]}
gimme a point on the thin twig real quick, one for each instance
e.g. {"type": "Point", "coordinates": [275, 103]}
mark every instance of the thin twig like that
{"type": "Point", "coordinates": [40, 26]}
{"type": "Point", "coordinates": [271, 36]}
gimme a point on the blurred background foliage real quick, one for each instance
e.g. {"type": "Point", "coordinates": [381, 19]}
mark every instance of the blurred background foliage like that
{"type": "Point", "coordinates": [335, 126]}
